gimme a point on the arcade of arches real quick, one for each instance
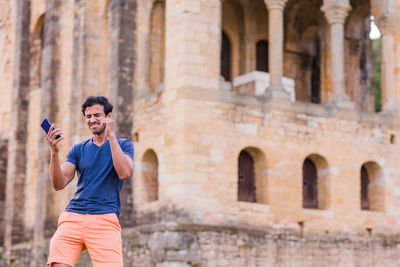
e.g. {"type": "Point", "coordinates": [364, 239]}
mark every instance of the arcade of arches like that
{"type": "Point", "coordinates": [306, 44]}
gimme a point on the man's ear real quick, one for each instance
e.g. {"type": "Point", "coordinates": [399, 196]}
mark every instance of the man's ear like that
{"type": "Point", "coordinates": [109, 115]}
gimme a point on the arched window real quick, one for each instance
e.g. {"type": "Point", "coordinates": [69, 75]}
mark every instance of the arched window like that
{"type": "Point", "coordinates": [225, 57]}
{"type": "Point", "coordinates": [246, 181]}
{"type": "Point", "coordinates": [150, 176]}
{"type": "Point", "coordinates": [372, 191]}
{"type": "Point", "coordinates": [364, 189]}
{"type": "Point", "coordinates": [262, 55]}
{"type": "Point", "coordinates": [252, 176]}
{"type": "Point", "coordinates": [310, 186]}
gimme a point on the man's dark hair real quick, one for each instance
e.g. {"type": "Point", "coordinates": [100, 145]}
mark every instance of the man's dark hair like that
{"type": "Point", "coordinates": [101, 100]}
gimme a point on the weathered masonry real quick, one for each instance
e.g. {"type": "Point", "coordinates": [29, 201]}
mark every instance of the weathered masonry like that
{"type": "Point", "coordinates": [264, 134]}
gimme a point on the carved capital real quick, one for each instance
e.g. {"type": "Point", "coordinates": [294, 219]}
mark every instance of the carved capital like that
{"type": "Point", "coordinates": [336, 13]}
{"type": "Point", "coordinates": [385, 24]}
{"type": "Point", "coordinates": [275, 4]}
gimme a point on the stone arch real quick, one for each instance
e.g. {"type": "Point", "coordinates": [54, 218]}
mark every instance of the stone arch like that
{"type": "Point", "coordinates": [234, 27]}
{"type": "Point", "coordinates": [316, 194]}
{"type": "Point", "coordinates": [372, 187]}
{"type": "Point", "coordinates": [148, 185]}
{"type": "Point", "coordinates": [304, 49]}
{"type": "Point", "coordinates": [358, 56]}
{"type": "Point", "coordinates": [157, 45]}
{"type": "Point", "coordinates": [252, 189]}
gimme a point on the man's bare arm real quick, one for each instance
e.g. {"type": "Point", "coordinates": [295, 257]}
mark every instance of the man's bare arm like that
{"type": "Point", "coordinates": [123, 164]}
{"type": "Point", "coordinates": [60, 175]}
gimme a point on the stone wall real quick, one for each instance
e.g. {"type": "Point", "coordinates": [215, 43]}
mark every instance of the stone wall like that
{"type": "Point", "coordinates": [219, 125]}
{"type": "Point", "coordinates": [190, 245]}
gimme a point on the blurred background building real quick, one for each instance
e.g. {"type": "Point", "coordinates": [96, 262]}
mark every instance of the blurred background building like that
{"type": "Point", "coordinates": [266, 132]}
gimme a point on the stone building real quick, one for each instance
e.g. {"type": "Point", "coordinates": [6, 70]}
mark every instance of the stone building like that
{"type": "Point", "coordinates": [256, 137]}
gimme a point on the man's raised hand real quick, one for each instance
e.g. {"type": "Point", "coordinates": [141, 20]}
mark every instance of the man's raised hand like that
{"type": "Point", "coordinates": [108, 124]}
{"type": "Point", "coordinates": [52, 139]}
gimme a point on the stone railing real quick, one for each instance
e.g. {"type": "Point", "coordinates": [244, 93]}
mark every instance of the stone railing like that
{"type": "Point", "coordinates": [256, 82]}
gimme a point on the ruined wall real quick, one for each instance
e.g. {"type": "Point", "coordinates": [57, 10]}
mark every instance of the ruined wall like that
{"type": "Point", "coordinates": [197, 131]}
{"type": "Point", "coordinates": [197, 245]}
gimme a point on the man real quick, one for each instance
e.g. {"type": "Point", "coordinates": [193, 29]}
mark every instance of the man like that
{"type": "Point", "coordinates": [90, 221]}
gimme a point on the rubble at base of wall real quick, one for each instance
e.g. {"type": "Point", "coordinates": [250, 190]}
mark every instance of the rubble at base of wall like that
{"type": "Point", "coordinates": [189, 245]}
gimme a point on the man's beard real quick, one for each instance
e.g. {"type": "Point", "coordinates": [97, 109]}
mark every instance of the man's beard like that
{"type": "Point", "coordinates": [99, 130]}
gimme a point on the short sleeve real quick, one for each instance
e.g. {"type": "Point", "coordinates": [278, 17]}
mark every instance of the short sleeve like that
{"type": "Point", "coordinates": [72, 155]}
{"type": "Point", "coordinates": [127, 147]}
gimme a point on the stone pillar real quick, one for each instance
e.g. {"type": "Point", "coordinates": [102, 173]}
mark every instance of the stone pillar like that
{"type": "Point", "coordinates": [89, 55]}
{"type": "Point", "coordinates": [192, 57]}
{"type": "Point", "coordinates": [16, 155]}
{"type": "Point", "coordinates": [122, 27]}
{"type": "Point", "coordinates": [50, 66]}
{"type": "Point", "coordinates": [77, 81]}
{"type": "Point", "coordinates": [388, 76]}
{"type": "Point", "coordinates": [336, 14]}
{"type": "Point", "coordinates": [275, 52]}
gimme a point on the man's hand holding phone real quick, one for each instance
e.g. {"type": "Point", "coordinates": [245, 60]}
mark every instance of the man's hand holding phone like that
{"type": "Point", "coordinates": [53, 135]}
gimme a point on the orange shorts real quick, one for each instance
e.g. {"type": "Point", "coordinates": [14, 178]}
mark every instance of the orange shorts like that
{"type": "Point", "coordinates": [100, 234]}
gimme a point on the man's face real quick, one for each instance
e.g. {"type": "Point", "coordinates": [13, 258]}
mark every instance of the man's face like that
{"type": "Point", "coordinates": [94, 115]}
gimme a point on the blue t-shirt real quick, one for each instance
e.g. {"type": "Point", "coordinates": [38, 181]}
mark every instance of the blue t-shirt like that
{"type": "Point", "coordinates": [98, 183]}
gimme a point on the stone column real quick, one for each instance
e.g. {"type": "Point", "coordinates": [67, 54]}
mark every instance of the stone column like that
{"type": "Point", "coordinates": [336, 14]}
{"type": "Point", "coordinates": [78, 72]}
{"type": "Point", "coordinates": [90, 46]}
{"type": "Point", "coordinates": [275, 52]}
{"type": "Point", "coordinates": [50, 69]}
{"type": "Point", "coordinates": [122, 27]}
{"type": "Point", "coordinates": [16, 154]}
{"type": "Point", "coordinates": [388, 75]}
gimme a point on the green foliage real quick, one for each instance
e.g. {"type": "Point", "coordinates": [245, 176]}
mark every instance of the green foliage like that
{"type": "Point", "coordinates": [376, 82]}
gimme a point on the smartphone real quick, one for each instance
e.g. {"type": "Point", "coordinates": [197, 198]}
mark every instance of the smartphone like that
{"type": "Point", "coordinates": [46, 126]}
